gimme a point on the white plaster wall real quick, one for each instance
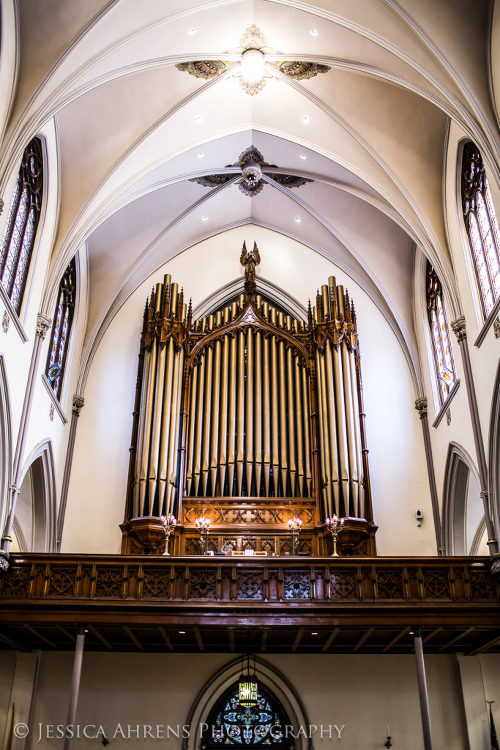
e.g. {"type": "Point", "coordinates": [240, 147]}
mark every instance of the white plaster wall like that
{"type": "Point", "coordinates": [8, 60]}
{"type": "Point", "coordinates": [99, 476]}
{"type": "Point", "coordinates": [363, 693]}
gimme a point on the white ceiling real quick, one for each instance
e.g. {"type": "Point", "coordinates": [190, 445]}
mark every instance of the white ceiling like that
{"type": "Point", "coordinates": [374, 142]}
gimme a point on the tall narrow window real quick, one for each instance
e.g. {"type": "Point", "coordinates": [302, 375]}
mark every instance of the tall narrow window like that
{"type": "Point", "coordinates": [22, 222]}
{"type": "Point", "coordinates": [482, 226]}
{"type": "Point", "coordinates": [443, 358]}
{"type": "Point", "coordinates": [61, 328]}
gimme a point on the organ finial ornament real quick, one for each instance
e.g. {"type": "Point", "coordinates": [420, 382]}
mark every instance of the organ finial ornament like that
{"type": "Point", "coordinates": [250, 259]}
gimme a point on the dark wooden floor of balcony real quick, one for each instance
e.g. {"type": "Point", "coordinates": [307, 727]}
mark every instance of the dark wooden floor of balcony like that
{"type": "Point", "coordinates": [258, 604]}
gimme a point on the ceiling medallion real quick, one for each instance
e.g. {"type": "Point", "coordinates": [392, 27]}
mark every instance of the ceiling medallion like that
{"type": "Point", "coordinates": [253, 174]}
{"type": "Point", "coordinates": [253, 69]}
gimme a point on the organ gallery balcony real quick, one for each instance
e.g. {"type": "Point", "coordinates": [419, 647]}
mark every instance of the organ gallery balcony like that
{"type": "Point", "coordinates": [206, 603]}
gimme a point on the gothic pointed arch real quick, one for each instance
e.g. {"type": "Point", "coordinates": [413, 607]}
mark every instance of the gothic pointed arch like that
{"type": "Point", "coordinates": [463, 514]}
{"type": "Point", "coordinates": [61, 329]}
{"type": "Point", "coordinates": [444, 366]}
{"type": "Point", "coordinates": [36, 504]}
{"type": "Point", "coordinates": [5, 442]}
{"type": "Point", "coordinates": [276, 691]}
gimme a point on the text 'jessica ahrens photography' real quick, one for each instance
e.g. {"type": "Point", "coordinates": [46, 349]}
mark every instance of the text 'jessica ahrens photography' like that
{"type": "Point", "coordinates": [169, 731]}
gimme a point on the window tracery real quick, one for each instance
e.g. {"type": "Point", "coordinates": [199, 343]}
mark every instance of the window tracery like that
{"type": "Point", "coordinates": [482, 226]}
{"type": "Point", "coordinates": [20, 230]}
{"type": "Point", "coordinates": [231, 723]}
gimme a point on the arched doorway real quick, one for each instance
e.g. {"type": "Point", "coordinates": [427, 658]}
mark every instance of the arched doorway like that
{"type": "Point", "coordinates": [464, 526]}
{"type": "Point", "coordinates": [34, 522]}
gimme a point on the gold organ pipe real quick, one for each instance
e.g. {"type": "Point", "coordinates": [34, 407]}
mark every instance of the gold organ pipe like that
{"type": "Point", "coordinates": [240, 413]}
{"type": "Point", "coordinates": [192, 423]}
{"type": "Point", "coordinates": [283, 413]}
{"type": "Point", "coordinates": [274, 406]}
{"type": "Point", "coordinates": [300, 427]}
{"type": "Point", "coordinates": [140, 434]}
{"type": "Point", "coordinates": [174, 430]}
{"type": "Point", "coordinates": [231, 430]}
{"type": "Point", "coordinates": [341, 429]}
{"type": "Point", "coordinates": [351, 439]}
{"type": "Point", "coordinates": [147, 430]}
{"type": "Point", "coordinates": [224, 406]}
{"type": "Point", "coordinates": [199, 424]}
{"type": "Point", "coordinates": [292, 416]}
{"type": "Point", "coordinates": [214, 438]}
{"type": "Point", "coordinates": [326, 468]}
{"type": "Point", "coordinates": [360, 510]}
{"type": "Point", "coordinates": [249, 402]}
{"type": "Point", "coordinates": [163, 391]}
{"type": "Point", "coordinates": [332, 423]}
{"type": "Point", "coordinates": [258, 410]}
{"type": "Point", "coordinates": [266, 408]}
{"type": "Point", "coordinates": [307, 441]}
{"type": "Point", "coordinates": [205, 455]}
{"type": "Point", "coordinates": [174, 290]}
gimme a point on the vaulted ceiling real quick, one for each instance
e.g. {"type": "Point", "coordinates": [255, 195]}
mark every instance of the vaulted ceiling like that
{"type": "Point", "coordinates": [133, 130]}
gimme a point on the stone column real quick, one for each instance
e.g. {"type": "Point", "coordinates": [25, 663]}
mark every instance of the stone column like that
{"type": "Point", "coordinates": [421, 407]}
{"type": "Point", "coordinates": [422, 689]}
{"type": "Point", "coordinates": [459, 329]}
{"type": "Point", "coordinates": [42, 326]}
{"type": "Point", "coordinates": [78, 402]}
{"type": "Point", "coordinates": [75, 684]}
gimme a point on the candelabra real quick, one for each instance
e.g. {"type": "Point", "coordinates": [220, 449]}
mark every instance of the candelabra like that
{"type": "Point", "coordinates": [169, 523]}
{"type": "Point", "coordinates": [203, 526]}
{"type": "Point", "coordinates": [295, 526]}
{"type": "Point", "coordinates": [334, 525]}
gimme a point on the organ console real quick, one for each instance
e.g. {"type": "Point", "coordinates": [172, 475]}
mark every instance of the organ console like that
{"type": "Point", "coordinates": [249, 417]}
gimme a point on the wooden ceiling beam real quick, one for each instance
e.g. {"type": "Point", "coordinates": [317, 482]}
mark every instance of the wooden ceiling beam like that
{"type": "Point", "coordinates": [264, 639]}
{"type": "Point", "coordinates": [331, 639]}
{"type": "Point", "coordinates": [199, 639]}
{"type": "Point", "coordinates": [100, 637]}
{"type": "Point", "coordinates": [362, 640]}
{"type": "Point", "coordinates": [485, 646]}
{"type": "Point", "coordinates": [458, 638]}
{"type": "Point", "coordinates": [39, 635]}
{"type": "Point", "coordinates": [232, 640]}
{"type": "Point", "coordinates": [431, 635]}
{"type": "Point", "coordinates": [166, 638]}
{"type": "Point", "coordinates": [133, 638]}
{"type": "Point", "coordinates": [298, 638]}
{"type": "Point", "coordinates": [11, 643]}
{"type": "Point", "coordinates": [396, 638]}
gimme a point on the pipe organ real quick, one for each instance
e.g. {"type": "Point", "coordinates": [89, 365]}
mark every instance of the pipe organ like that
{"type": "Point", "coordinates": [249, 417]}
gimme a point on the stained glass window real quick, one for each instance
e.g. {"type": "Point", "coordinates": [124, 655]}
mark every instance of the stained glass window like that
{"type": "Point", "coordinates": [230, 723]}
{"type": "Point", "coordinates": [443, 358]}
{"type": "Point", "coordinates": [61, 327]}
{"type": "Point", "coordinates": [482, 226]}
{"type": "Point", "coordinates": [19, 234]}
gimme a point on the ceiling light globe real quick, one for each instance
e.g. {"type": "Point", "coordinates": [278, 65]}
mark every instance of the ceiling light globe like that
{"type": "Point", "coordinates": [252, 66]}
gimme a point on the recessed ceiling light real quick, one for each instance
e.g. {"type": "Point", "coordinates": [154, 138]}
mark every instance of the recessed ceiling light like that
{"type": "Point", "coordinates": [201, 155]}
{"type": "Point", "coordinates": [298, 219]}
{"type": "Point", "coordinates": [204, 218]}
{"type": "Point", "coordinates": [181, 632]}
{"type": "Point", "coordinates": [305, 119]}
{"type": "Point", "coordinates": [197, 118]}
{"type": "Point", "coordinates": [192, 30]}
{"type": "Point", "coordinates": [314, 634]}
{"type": "Point", "coordinates": [303, 156]}
{"type": "Point", "coordinates": [314, 32]}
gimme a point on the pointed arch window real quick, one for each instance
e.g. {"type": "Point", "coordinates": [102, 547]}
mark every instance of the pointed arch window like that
{"type": "Point", "coordinates": [22, 222]}
{"type": "Point", "coordinates": [443, 358]}
{"type": "Point", "coordinates": [261, 725]}
{"type": "Point", "coordinates": [482, 226]}
{"type": "Point", "coordinates": [61, 329]}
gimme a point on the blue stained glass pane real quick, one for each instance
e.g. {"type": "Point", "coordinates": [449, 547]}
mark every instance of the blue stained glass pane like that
{"type": "Point", "coordinates": [480, 263]}
{"type": "Point", "coordinates": [10, 219]}
{"type": "Point", "coordinates": [247, 725]}
{"type": "Point", "coordinates": [16, 239]}
{"type": "Point", "coordinates": [23, 262]}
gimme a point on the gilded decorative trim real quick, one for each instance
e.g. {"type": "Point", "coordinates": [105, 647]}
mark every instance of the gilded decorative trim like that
{"type": "Point", "coordinates": [298, 70]}
{"type": "Point", "coordinates": [205, 69]}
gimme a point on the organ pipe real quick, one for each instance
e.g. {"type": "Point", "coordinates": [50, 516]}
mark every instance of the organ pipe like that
{"type": "Point", "coordinates": [249, 402]}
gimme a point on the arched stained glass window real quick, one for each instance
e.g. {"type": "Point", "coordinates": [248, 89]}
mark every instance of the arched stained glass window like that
{"type": "Point", "coordinates": [22, 222]}
{"type": "Point", "coordinates": [61, 328]}
{"type": "Point", "coordinates": [230, 723]}
{"type": "Point", "coordinates": [482, 226]}
{"type": "Point", "coordinates": [443, 358]}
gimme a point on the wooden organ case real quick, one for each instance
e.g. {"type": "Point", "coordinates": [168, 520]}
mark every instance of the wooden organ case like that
{"type": "Point", "coordinates": [249, 417]}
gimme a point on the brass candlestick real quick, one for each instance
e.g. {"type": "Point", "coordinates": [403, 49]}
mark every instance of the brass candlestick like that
{"type": "Point", "coordinates": [203, 526]}
{"type": "Point", "coordinates": [169, 523]}
{"type": "Point", "coordinates": [334, 525]}
{"type": "Point", "coordinates": [295, 526]}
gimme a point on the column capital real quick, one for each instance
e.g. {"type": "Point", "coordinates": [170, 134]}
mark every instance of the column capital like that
{"type": "Point", "coordinates": [78, 402]}
{"type": "Point", "coordinates": [459, 328]}
{"type": "Point", "coordinates": [43, 323]}
{"type": "Point", "coordinates": [421, 407]}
